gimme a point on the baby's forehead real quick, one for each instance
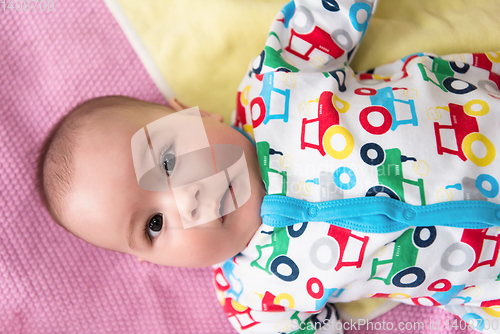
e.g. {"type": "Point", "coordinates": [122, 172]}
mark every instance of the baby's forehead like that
{"type": "Point", "coordinates": [111, 129]}
{"type": "Point", "coordinates": [117, 122]}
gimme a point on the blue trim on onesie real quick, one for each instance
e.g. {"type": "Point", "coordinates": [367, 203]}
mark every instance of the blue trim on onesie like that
{"type": "Point", "coordinates": [245, 134]}
{"type": "Point", "coordinates": [379, 214]}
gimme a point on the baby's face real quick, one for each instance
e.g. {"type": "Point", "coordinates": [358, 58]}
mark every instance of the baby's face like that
{"type": "Point", "coordinates": [108, 208]}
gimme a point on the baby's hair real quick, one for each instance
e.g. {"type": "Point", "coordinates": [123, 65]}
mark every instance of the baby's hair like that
{"type": "Point", "coordinates": [55, 159]}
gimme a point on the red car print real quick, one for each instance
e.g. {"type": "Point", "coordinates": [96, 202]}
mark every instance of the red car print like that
{"type": "Point", "coordinates": [328, 123]}
{"type": "Point", "coordinates": [466, 128]}
{"type": "Point", "coordinates": [318, 39]}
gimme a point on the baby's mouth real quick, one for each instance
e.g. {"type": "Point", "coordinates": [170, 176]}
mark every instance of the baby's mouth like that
{"type": "Point", "coordinates": [223, 199]}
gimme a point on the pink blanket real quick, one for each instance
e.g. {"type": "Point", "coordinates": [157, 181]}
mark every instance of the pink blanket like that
{"type": "Point", "coordinates": [51, 282]}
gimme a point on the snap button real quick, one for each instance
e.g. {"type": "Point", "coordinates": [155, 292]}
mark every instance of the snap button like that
{"type": "Point", "coordinates": [409, 214]}
{"type": "Point", "coordinates": [313, 212]}
{"type": "Point", "coordinates": [497, 213]}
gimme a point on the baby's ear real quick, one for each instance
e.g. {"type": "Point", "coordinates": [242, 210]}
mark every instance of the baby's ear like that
{"type": "Point", "coordinates": [215, 117]}
{"type": "Point", "coordinates": [178, 106]}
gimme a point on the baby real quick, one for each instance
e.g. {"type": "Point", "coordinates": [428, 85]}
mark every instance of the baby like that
{"type": "Point", "coordinates": [381, 184]}
{"type": "Point", "coordinates": [90, 187]}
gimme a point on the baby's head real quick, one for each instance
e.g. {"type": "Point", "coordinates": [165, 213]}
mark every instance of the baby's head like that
{"type": "Point", "coordinates": [89, 185]}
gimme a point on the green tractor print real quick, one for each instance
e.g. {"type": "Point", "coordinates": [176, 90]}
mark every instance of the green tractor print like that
{"type": "Point", "coordinates": [390, 172]}
{"type": "Point", "coordinates": [404, 258]}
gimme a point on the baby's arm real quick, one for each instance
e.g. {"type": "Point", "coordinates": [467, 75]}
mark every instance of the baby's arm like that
{"type": "Point", "coordinates": [269, 316]}
{"type": "Point", "coordinates": [307, 36]}
{"type": "Point", "coordinates": [313, 35]}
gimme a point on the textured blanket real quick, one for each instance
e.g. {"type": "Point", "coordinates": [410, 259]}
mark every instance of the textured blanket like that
{"type": "Point", "coordinates": [51, 282]}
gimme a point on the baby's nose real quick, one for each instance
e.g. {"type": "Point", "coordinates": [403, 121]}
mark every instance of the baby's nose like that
{"type": "Point", "coordinates": [199, 202]}
{"type": "Point", "coordinates": [189, 204]}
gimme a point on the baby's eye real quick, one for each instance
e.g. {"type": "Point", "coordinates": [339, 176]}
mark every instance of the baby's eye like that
{"type": "Point", "coordinates": [168, 162]}
{"type": "Point", "coordinates": [154, 227]}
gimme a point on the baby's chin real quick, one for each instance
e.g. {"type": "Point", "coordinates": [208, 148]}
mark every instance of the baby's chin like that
{"type": "Point", "coordinates": [237, 238]}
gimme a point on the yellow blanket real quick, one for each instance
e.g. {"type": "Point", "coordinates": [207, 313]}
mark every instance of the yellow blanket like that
{"type": "Point", "coordinates": [203, 48]}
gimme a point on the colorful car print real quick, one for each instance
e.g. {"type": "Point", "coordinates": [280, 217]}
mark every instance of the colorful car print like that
{"type": "Point", "coordinates": [344, 237]}
{"type": "Point", "coordinates": [390, 172]}
{"type": "Point", "coordinates": [272, 58]}
{"type": "Point", "coordinates": [241, 313]}
{"type": "Point", "coordinates": [404, 258]}
{"type": "Point", "coordinates": [305, 30]}
{"type": "Point", "coordinates": [328, 122]}
{"type": "Point", "coordinates": [263, 152]}
{"type": "Point", "coordinates": [279, 245]}
{"type": "Point", "coordinates": [442, 75]}
{"type": "Point", "coordinates": [384, 102]}
{"type": "Point", "coordinates": [263, 101]}
{"type": "Point", "coordinates": [476, 240]}
{"type": "Point", "coordinates": [465, 126]}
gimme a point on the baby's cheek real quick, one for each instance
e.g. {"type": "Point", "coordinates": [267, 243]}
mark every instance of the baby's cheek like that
{"type": "Point", "coordinates": [241, 188]}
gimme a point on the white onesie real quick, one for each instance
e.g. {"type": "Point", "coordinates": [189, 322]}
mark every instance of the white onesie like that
{"type": "Point", "coordinates": [380, 184]}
